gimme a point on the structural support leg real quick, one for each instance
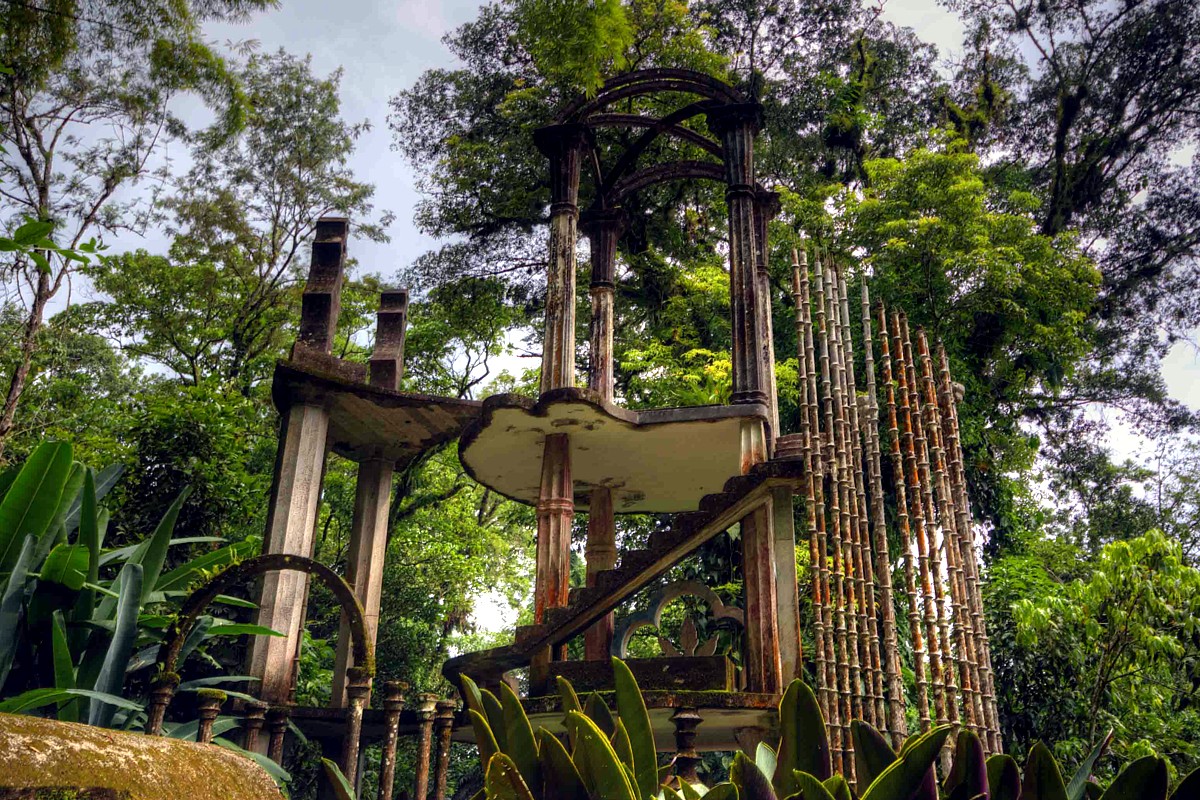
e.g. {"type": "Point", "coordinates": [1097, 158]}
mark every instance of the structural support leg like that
{"type": "Point", "coordinates": [428, 702]}
{"type": "Point", "coordinates": [686, 720]}
{"type": "Point", "coordinates": [393, 704]}
{"type": "Point", "coordinates": [444, 727]}
{"type": "Point", "coordinates": [787, 588]}
{"type": "Point", "coordinates": [290, 530]}
{"type": "Point", "coordinates": [763, 670]}
{"type": "Point", "coordinates": [364, 564]}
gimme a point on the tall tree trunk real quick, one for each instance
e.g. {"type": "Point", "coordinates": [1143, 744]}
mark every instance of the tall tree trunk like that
{"type": "Point", "coordinates": [16, 384]}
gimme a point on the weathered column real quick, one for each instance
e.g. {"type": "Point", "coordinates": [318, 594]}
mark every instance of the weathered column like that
{"type": "Point", "coordinates": [764, 672]}
{"type": "Point", "coordinates": [299, 467]}
{"type": "Point", "coordinates": [564, 145]}
{"type": "Point", "coordinates": [428, 702]}
{"type": "Point", "coordinates": [737, 125]}
{"type": "Point", "coordinates": [357, 690]}
{"type": "Point", "coordinates": [162, 690]}
{"type": "Point", "coordinates": [787, 587]}
{"type": "Point", "coordinates": [253, 719]}
{"type": "Point", "coordinates": [766, 208]}
{"type": "Point", "coordinates": [391, 324]}
{"type": "Point", "coordinates": [444, 727]}
{"type": "Point", "coordinates": [277, 722]}
{"type": "Point", "coordinates": [393, 704]}
{"type": "Point", "coordinates": [208, 709]}
{"type": "Point", "coordinates": [602, 228]}
{"type": "Point", "coordinates": [686, 720]}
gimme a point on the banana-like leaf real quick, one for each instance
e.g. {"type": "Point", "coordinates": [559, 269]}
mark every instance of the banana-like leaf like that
{"type": "Point", "coordinates": [1144, 779]}
{"type": "Point", "coordinates": [67, 565]}
{"type": "Point", "coordinates": [521, 746]}
{"type": "Point", "coordinates": [1188, 788]}
{"type": "Point", "coordinates": [872, 753]}
{"type": "Point", "coordinates": [598, 764]}
{"type": "Point", "coordinates": [77, 513]}
{"type": "Point", "coordinates": [691, 791]}
{"type": "Point", "coordinates": [803, 743]}
{"type": "Point", "coordinates": [111, 677]}
{"type": "Point", "coordinates": [485, 737]}
{"type": "Point", "coordinates": [68, 496]}
{"type": "Point", "coordinates": [503, 780]}
{"type": "Point", "coordinates": [570, 702]}
{"type": "Point", "coordinates": [91, 526]}
{"type": "Point", "coordinates": [40, 698]}
{"type": "Point", "coordinates": [1042, 780]}
{"type": "Point", "coordinates": [722, 791]}
{"type": "Point", "coordinates": [152, 553]}
{"type": "Point", "coordinates": [188, 731]}
{"type": "Point", "coordinates": [670, 794]}
{"type": "Point", "coordinates": [751, 783]}
{"type": "Point", "coordinates": [64, 667]}
{"type": "Point", "coordinates": [1004, 778]}
{"type": "Point", "coordinates": [12, 606]}
{"type": "Point", "coordinates": [241, 629]}
{"type": "Point", "coordinates": [341, 786]}
{"type": "Point", "coordinates": [598, 712]}
{"type": "Point", "coordinates": [631, 709]}
{"type": "Point", "coordinates": [561, 779]}
{"type": "Point", "coordinates": [838, 787]}
{"type": "Point", "coordinates": [495, 717]}
{"type": "Point", "coordinates": [968, 773]}
{"type": "Point", "coordinates": [31, 501]}
{"type": "Point", "coordinates": [621, 745]}
{"type": "Point", "coordinates": [1079, 782]}
{"type": "Point", "coordinates": [809, 788]}
{"type": "Point", "coordinates": [181, 578]}
{"type": "Point", "coordinates": [471, 695]}
{"type": "Point", "coordinates": [765, 759]}
{"type": "Point", "coordinates": [280, 775]}
{"type": "Point", "coordinates": [907, 774]}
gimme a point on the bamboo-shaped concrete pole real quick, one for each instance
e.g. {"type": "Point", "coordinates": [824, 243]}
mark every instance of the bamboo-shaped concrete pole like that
{"type": "Point", "coordinates": [945, 672]}
{"type": "Point", "coordinates": [917, 516]}
{"type": "Point", "coordinates": [208, 709]}
{"type": "Point", "coordinates": [902, 523]}
{"type": "Point", "coordinates": [393, 705]}
{"type": "Point", "coordinates": [425, 712]}
{"type": "Point", "coordinates": [868, 624]}
{"type": "Point", "coordinates": [358, 688]}
{"type": "Point", "coordinates": [897, 723]}
{"type": "Point", "coordinates": [277, 723]}
{"type": "Point", "coordinates": [958, 485]}
{"type": "Point", "coordinates": [254, 716]}
{"type": "Point", "coordinates": [444, 727]}
{"type": "Point", "coordinates": [964, 640]}
{"type": "Point", "coordinates": [841, 733]}
{"type": "Point", "coordinates": [806, 381]}
{"type": "Point", "coordinates": [847, 547]}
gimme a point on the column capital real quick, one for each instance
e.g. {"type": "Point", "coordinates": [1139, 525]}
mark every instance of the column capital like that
{"type": "Point", "coordinates": [767, 202]}
{"type": "Point", "coordinates": [730, 116]}
{"type": "Point", "coordinates": [554, 140]}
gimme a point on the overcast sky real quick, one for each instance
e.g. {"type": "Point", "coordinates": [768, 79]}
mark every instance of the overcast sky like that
{"type": "Point", "coordinates": [384, 46]}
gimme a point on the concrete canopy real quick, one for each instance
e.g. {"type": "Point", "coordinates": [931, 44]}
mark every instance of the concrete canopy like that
{"type": "Point", "coordinates": [660, 460]}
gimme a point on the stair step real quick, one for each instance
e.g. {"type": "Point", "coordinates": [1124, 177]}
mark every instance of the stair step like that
{"type": "Point", "coordinates": [637, 559]}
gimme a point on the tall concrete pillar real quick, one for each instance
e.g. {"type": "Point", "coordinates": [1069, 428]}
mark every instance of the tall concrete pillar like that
{"type": "Point", "coordinates": [787, 589]}
{"type": "Point", "coordinates": [766, 208]}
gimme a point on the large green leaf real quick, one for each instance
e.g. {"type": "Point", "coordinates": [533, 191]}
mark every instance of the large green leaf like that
{"type": "Point", "coordinates": [77, 511]}
{"type": "Point", "coordinates": [280, 775]}
{"type": "Point", "coordinates": [504, 781]}
{"type": "Point", "coordinates": [598, 712]}
{"type": "Point", "coordinates": [872, 753]}
{"type": "Point", "coordinates": [342, 789]}
{"type": "Point", "coordinates": [521, 746]}
{"type": "Point", "coordinates": [722, 791]}
{"type": "Point", "coordinates": [64, 667]}
{"type": "Point", "coordinates": [1144, 779]}
{"type": "Point", "coordinates": [1042, 780]}
{"type": "Point", "coordinates": [1079, 782]}
{"type": "Point", "coordinates": [766, 759]}
{"type": "Point", "coordinates": [181, 577]}
{"type": "Point", "coordinates": [838, 787]}
{"type": "Point", "coordinates": [809, 788]}
{"type": "Point", "coordinates": [622, 747]}
{"type": "Point", "coordinates": [751, 783]}
{"type": "Point", "coordinates": [32, 500]}
{"type": "Point", "coordinates": [803, 743]}
{"type": "Point", "coordinates": [968, 774]}
{"type": "Point", "coordinates": [598, 764]}
{"type": "Point", "coordinates": [908, 772]}
{"type": "Point", "coordinates": [67, 564]}
{"type": "Point", "coordinates": [12, 606]}
{"type": "Point", "coordinates": [570, 702]}
{"type": "Point", "coordinates": [561, 779]}
{"type": "Point", "coordinates": [485, 738]}
{"type": "Point", "coordinates": [68, 497]}
{"type": "Point", "coordinates": [1004, 778]}
{"type": "Point", "coordinates": [111, 677]}
{"type": "Point", "coordinates": [241, 629]}
{"type": "Point", "coordinates": [631, 709]}
{"type": "Point", "coordinates": [494, 711]}
{"type": "Point", "coordinates": [1188, 788]}
{"type": "Point", "coordinates": [152, 553]}
{"type": "Point", "coordinates": [40, 698]}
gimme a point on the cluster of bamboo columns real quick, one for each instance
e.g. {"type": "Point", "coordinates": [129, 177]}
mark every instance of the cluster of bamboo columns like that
{"type": "Point", "coordinates": [856, 641]}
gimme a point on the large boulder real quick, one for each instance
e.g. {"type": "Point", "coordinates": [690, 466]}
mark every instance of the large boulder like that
{"type": "Point", "coordinates": [87, 762]}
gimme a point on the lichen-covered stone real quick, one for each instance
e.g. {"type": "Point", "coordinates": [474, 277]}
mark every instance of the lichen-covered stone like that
{"type": "Point", "coordinates": [76, 760]}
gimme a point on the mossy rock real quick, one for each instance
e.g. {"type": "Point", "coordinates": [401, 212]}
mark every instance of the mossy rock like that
{"type": "Point", "coordinates": [42, 758]}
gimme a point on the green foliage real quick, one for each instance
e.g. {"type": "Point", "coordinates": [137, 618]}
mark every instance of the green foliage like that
{"type": "Point", "coordinates": [64, 615]}
{"type": "Point", "coordinates": [575, 43]}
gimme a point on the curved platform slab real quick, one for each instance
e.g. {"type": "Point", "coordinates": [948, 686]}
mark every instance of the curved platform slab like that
{"type": "Point", "coordinates": [660, 460]}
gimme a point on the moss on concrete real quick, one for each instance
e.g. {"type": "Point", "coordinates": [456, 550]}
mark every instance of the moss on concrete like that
{"type": "Point", "coordinates": [74, 762]}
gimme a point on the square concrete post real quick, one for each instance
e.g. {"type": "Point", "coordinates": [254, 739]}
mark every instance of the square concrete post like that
{"type": "Point", "coordinates": [763, 670]}
{"type": "Point", "coordinates": [364, 563]}
{"type": "Point", "coordinates": [290, 529]}
{"type": "Point", "coordinates": [787, 590]}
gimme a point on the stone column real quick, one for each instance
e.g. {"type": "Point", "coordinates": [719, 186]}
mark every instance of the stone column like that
{"type": "Point", "coordinates": [357, 690]}
{"type": "Point", "coordinates": [299, 469]}
{"type": "Point", "coordinates": [364, 562]}
{"type": "Point", "coordinates": [444, 727]}
{"type": "Point", "coordinates": [787, 589]}
{"type": "Point", "coordinates": [565, 146]}
{"type": "Point", "coordinates": [393, 705]}
{"type": "Point", "coordinates": [737, 125]}
{"type": "Point", "coordinates": [762, 661]}
{"type": "Point", "coordinates": [686, 720]}
{"type": "Point", "coordinates": [253, 718]}
{"type": "Point", "coordinates": [428, 702]}
{"type": "Point", "coordinates": [603, 228]}
{"type": "Point", "coordinates": [209, 709]}
{"type": "Point", "coordinates": [766, 208]}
